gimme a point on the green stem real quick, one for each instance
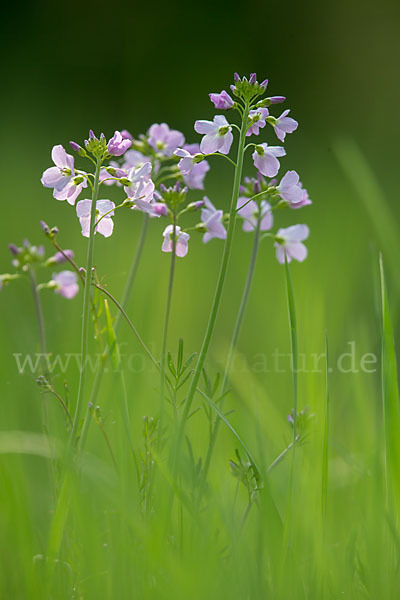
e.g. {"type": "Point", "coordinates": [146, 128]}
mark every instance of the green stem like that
{"type": "Point", "coordinates": [234, 340]}
{"type": "Point", "coordinates": [86, 305]}
{"type": "Point", "coordinates": [39, 313]}
{"type": "Point", "coordinates": [131, 325]}
{"type": "Point", "coordinates": [42, 342]}
{"type": "Point", "coordinates": [294, 364]}
{"type": "Point", "coordinates": [124, 302]}
{"type": "Point", "coordinates": [134, 268]}
{"type": "Point", "coordinates": [163, 359]}
{"type": "Point", "coordinates": [221, 280]}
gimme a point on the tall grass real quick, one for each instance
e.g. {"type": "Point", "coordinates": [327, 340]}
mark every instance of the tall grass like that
{"type": "Point", "coordinates": [116, 538]}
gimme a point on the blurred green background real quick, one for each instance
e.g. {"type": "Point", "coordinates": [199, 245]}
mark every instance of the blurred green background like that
{"type": "Point", "coordinates": [88, 66]}
{"type": "Point", "coordinates": [71, 67]}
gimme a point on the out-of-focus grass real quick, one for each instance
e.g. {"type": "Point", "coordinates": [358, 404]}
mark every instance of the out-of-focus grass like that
{"type": "Point", "coordinates": [110, 549]}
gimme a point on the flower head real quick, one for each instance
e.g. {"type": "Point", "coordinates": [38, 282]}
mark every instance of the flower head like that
{"type": "Point", "coordinates": [118, 144]}
{"type": "Point", "coordinates": [250, 214]}
{"type": "Point", "coordinates": [104, 212]}
{"type": "Point", "coordinates": [284, 125]}
{"type": "Point", "coordinates": [290, 189]}
{"type": "Point", "coordinates": [212, 221]}
{"type": "Point", "coordinates": [165, 140]}
{"type": "Point", "coordinates": [182, 239]}
{"type": "Point", "coordinates": [266, 159]}
{"type": "Point", "coordinates": [192, 169]}
{"type": "Point", "coordinates": [140, 188]}
{"type": "Point", "coordinates": [134, 158]}
{"type": "Point", "coordinates": [218, 135]}
{"type": "Point", "coordinates": [288, 243]}
{"type": "Point", "coordinates": [305, 199]}
{"type": "Point", "coordinates": [65, 181]}
{"type": "Point", "coordinates": [248, 88]}
{"type": "Point", "coordinates": [66, 284]}
{"type": "Point", "coordinates": [222, 100]}
{"type": "Point", "coordinates": [262, 114]}
{"type": "Point", "coordinates": [126, 135]}
{"type": "Point", "coordinates": [60, 257]}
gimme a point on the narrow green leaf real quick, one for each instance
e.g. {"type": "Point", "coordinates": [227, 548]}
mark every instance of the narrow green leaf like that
{"type": "Point", "coordinates": [390, 398]}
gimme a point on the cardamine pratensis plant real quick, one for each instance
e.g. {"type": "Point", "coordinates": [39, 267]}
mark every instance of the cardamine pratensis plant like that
{"type": "Point", "coordinates": [156, 173]}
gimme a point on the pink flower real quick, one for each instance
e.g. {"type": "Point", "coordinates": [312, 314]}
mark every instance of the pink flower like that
{"type": "Point", "coordinates": [257, 125]}
{"type": "Point", "coordinates": [289, 188]}
{"type": "Point", "coordinates": [60, 257]}
{"type": "Point", "coordinates": [305, 199]}
{"type": "Point", "coordinates": [193, 172]}
{"type": "Point", "coordinates": [265, 159]}
{"type": "Point", "coordinates": [186, 163]}
{"type": "Point", "coordinates": [65, 181]}
{"type": "Point", "coordinates": [104, 212]}
{"type": "Point", "coordinates": [195, 179]}
{"type": "Point", "coordinates": [66, 284]}
{"type": "Point", "coordinates": [126, 135]}
{"type": "Point", "coordinates": [118, 144]}
{"type": "Point", "coordinates": [108, 179]}
{"type": "Point", "coordinates": [165, 140]}
{"type": "Point", "coordinates": [212, 221]}
{"type": "Point", "coordinates": [218, 135]}
{"type": "Point", "coordinates": [134, 158]}
{"type": "Point", "coordinates": [250, 214]}
{"type": "Point", "coordinates": [284, 125]}
{"type": "Point", "coordinates": [288, 243]}
{"type": "Point", "coordinates": [182, 239]}
{"type": "Point", "coordinates": [221, 100]}
{"type": "Point", "coordinates": [140, 185]}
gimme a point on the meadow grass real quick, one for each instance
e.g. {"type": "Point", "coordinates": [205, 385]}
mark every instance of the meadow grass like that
{"type": "Point", "coordinates": [307, 509]}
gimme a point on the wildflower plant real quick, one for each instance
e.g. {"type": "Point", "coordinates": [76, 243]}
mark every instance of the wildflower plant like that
{"type": "Point", "coordinates": [155, 174]}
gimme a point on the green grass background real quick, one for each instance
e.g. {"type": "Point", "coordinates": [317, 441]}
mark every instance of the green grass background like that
{"type": "Point", "coordinates": [71, 68]}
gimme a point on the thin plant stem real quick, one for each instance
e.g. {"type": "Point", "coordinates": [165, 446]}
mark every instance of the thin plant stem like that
{"type": "Point", "coordinates": [39, 313]}
{"type": "Point", "coordinates": [294, 363]}
{"type": "Point", "coordinates": [42, 342]}
{"type": "Point", "coordinates": [234, 340]}
{"type": "Point", "coordinates": [163, 359]}
{"type": "Point", "coordinates": [220, 283]}
{"type": "Point", "coordinates": [86, 305]}
{"type": "Point", "coordinates": [124, 302]}
{"type": "Point", "coordinates": [131, 325]}
{"type": "Point", "coordinates": [134, 269]}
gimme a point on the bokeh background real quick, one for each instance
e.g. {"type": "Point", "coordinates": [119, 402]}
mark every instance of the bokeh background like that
{"type": "Point", "coordinates": [129, 65]}
{"type": "Point", "coordinates": [70, 67]}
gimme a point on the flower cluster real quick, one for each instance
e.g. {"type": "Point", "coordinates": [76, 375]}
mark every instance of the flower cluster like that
{"type": "Point", "coordinates": [142, 167]}
{"type": "Point", "coordinates": [28, 259]}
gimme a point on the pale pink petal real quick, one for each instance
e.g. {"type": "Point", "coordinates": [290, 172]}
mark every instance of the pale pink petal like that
{"type": "Point", "coordinates": [83, 208]}
{"type": "Point", "coordinates": [105, 227]}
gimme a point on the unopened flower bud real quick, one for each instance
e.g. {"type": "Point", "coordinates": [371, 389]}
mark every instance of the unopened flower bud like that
{"type": "Point", "coordinates": [277, 99]}
{"type": "Point", "coordinates": [13, 249]}
{"type": "Point", "coordinates": [253, 78]}
{"type": "Point", "coordinates": [44, 227]}
{"type": "Point", "coordinates": [111, 171]}
{"type": "Point", "coordinates": [196, 205]}
{"type": "Point", "coordinates": [126, 135]}
{"type": "Point", "coordinates": [160, 209]}
{"type": "Point", "coordinates": [81, 151]}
